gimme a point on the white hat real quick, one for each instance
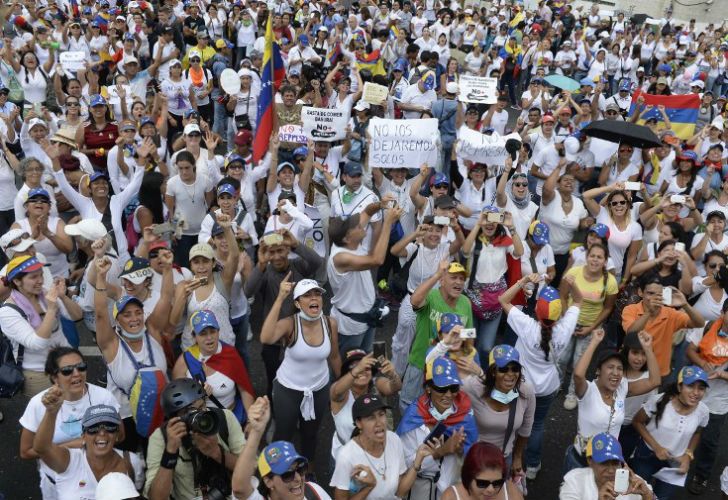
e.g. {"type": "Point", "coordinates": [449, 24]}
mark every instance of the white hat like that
{"type": "Point", "coordinates": [133, 5]}
{"type": "Point", "coordinates": [604, 34]}
{"type": "Point", "coordinates": [362, 105]}
{"type": "Point", "coordinates": [14, 234]}
{"type": "Point", "coordinates": [130, 59]}
{"type": "Point", "coordinates": [452, 88]}
{"type": "Point", "coordinates": [305, 286]}
{"type": "Point", "coordinates": [116, 486]}
{"type": "Point", "coordinates": [192, 127]}
{"type": "Point", "coordinates": [120, 17]}
{"type": "Point", "coordinates": [36, 121]}
{"type": "Point", "coordinates": [571, 148]}
{"type": "Point", "coordinates": [718, 123]}
{"type": "Point", "coordinates": [698, 83]}
{"type": "Point", "coordinates": [245, 72]}
{"type": "Point", "coordinates": [91, 229]}
{"type": "Point", "coordinates": [641, 68]}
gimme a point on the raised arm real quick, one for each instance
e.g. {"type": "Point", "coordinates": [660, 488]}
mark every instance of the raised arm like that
{"type": "Point", "coordinates": [417, 199]}
{"type": "Point", "coordinates": [580, 382]}
{"type": "Point", "coordinates": [106, 339]}
{"type": "Point", "coordinates": [274, 329]}
{"type": "Point", "coordinates": [54, 456]}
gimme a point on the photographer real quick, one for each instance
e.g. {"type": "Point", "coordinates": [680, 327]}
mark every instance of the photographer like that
{"type": "Point", "coordinates": [195, 451]}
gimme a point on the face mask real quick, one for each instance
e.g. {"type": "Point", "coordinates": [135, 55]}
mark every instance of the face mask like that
{"type": "Point", "coordinates": [130, 336]}
{"type": "Point", "coordinates": [504, 397]}
{"type": "Point", "coordinates": [722, 334]}
{"type": "Point", "coordinates": [440, 416]}
{"type": "Point", "coordinates": [309, 318]}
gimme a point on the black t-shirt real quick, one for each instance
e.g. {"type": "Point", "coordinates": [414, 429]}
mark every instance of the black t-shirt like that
{"type": "Point", "coordinates": [195, 24]}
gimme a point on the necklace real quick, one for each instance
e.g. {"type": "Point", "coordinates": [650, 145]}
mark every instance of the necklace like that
{"type": "Point", "coordinates": [383, 471]}
{"type": "Point", "coordinates": [192, 194]}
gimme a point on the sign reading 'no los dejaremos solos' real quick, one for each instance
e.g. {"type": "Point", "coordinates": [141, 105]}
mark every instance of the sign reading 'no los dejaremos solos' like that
{"type": "Point", "coordinates": [403, 143]}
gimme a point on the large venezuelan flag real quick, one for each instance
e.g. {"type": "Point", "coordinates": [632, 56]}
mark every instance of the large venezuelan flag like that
{"type": "Point", "coordinates": [372, 62]}
{"type": "Point", "coordinates": [273, 73]}
{"type": "Point", "coordinates": [681, 109]}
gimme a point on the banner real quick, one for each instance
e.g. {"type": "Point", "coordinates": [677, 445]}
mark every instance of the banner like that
{"type": "Point", "coordinates": [314, 237]}
{"type": "Point", "coordinates": [681, 109]}
{"type": "Point", "coordinates": [478, 89]}
{"type": "Point", "coordinates": [73, 60]}
{"type": "Point", "coordinates": [292, 133]}
{"type": "Point", "coordinates": [403, 143]}
{"type": "Point", "coordinates": [323, 124]}
{"type": "Point", "coordinates": [481, 148]}
{"type": "Point", "coordinates": [374, 93]}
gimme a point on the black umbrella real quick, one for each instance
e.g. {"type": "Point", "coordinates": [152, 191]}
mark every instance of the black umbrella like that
{"type": "Point", "coordinates": [623, 132]}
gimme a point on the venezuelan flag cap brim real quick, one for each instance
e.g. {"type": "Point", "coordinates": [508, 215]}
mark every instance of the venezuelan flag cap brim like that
{"type": "Point", "coordinates": [501, 355]}
{"type": "Point", "coordinates": [22, 265]}
{"type": "Point", "coordinates": [442, 372]}
{"type": "Point", "coordinates": [603, 448]}
{"type": "Point", "coordinates": [277, 458]}
{"type": "Point", "coordinates": [121, 304]}
{"type": "Point", "coordinates": [691, 374]}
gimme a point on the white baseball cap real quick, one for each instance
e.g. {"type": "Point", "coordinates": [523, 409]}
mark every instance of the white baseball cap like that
{"type": "Point", "coordinates": [192, 127]}
{"type": "Point", "coordinates": [362, 105]}
{"type": "Point", "coordinates": [571, 148]}
{"type": "Point", "coordinates": [305, 286]}
{"type": "Point", "coordinates": [10, 236]}
{"type": "Point", "coordinates": [116, 486]}
{"type": "Point", "coordinates": [91, 229]}
{"type": "Point", "coordinates": [452, 88]}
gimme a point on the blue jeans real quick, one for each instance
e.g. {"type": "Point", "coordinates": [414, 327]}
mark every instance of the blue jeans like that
{"type": "Point", "coordinates": [535, 441]}
{"type": "Point", "coordinates": [487, 331]}
{"type": "Point", "coordinates": [220, 122]}
{"type": "Point", "coordinates": [364, 341]}
{"type": "Point", "coordinates": [241, 326]}
{"type": "Point", "coordinates": [644, 463]}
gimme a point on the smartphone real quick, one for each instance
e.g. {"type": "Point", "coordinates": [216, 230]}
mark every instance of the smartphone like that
{"type": "Point", "coordinates": [441, 220]}
{"type": "Point", "coordinates": [494, 217]}
{"type": "Point", "coordinates": [677, 198]}
{"type": "Point", "coordinates": [467, 333]}
{"type": "Point", "coordinates": [379, 349]}
{"type": "Point", "coordinates": [37, 108]}
{"type": "Point", "coordinates": [621, 481]}
{"type": "Point", "coordinates": [667, 296]}
{"type": "Point", "coordinates": [273, 239]}
{"type": "Point", "coordinates": [632, 186]}
{"type": "Point", "coordinates": [437, 432]}
{"type": "Point", "coordinates": [680, 246]}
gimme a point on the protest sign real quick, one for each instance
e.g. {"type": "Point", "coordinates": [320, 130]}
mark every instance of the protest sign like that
{"type": "Point", "coordinates": [323, 124]}
{"type": "Point", "coordinates": [292, 133]}
{"type": "Point", "coordinates": [374, 93]}
{"type": "Point", "coordinates": [72, 60]}
{"type": "Point", "coordinates": [478, 89]}
{"type": "Point", "coordinates": [314, 237]}
{"type": "Point", "coordinates": [403, 143]}
{"type": "Point", "coordinates": [481, 148]}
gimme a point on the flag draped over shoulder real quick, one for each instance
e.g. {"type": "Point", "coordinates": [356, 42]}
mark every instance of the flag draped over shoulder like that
{"type": "Point", "coordinates": [273, 74]}
{"type": "Point", "coordinates": [682, 110]}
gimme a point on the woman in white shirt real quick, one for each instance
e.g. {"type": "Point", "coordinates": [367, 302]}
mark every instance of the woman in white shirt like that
{"type": "Point", "coordinates": [475, 192]}
{"type": "Point", "coordinates": [31, 171]}
{"type": "Point", "coordinates": [512, 195]}
{"type": "Point", "coordinates": [475, 61]}
{"type": "Point", "coordinates": [180, 96]}
{"type": "Point", "coordinates": [31, 75]}
{"type": "Point", "coordinates": [670, 425]}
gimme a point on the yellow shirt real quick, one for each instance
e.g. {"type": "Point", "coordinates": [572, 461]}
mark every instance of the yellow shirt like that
{"type": "Point", "coordinates": [594, 292]}
{"type": "Point", "coordinates": [205, 55]}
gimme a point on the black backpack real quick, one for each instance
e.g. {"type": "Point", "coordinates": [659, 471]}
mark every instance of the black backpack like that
{"type": "Point", "coordinates": [11, 369]}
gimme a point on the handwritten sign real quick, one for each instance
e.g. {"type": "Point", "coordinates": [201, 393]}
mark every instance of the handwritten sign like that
{"type": "Point", "coordinates": [403, 143]}
{"type": "Point", "coordinates": [323, 124]}
{"type": "Point", "coordinates": [73, 60]}
{"type": "Point", "coordinates": [476, 147]}
{"type": "Point", "coordinates": [314, 237]}
{"type": "Point", "coordinates": [374, 93]}
{"type": "Point", "coordinates": [292, 133]}
{"type": "Point", "coordinates": [478, 89]}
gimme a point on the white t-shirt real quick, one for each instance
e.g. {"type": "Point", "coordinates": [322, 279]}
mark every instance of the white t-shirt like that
{"type": "Point", "coordinates": [544, 259]}
{"type": "Point", "coordinates": [475, 199]}
{"type": "Point", "coordinates": [499, 121]}
{"type": "Point", "coordinates": [596, 416]}
{"type": "Point", "coordinates": [562, 226]}
{"type": "Point", "coordinates": [412, 95]}
{"type": "Point", "coordinates": [391, 465]}
{"type": "Point", "coordinates": [580, 484]}
{"type": "Point", "coordinates": [425, 261]}
{"type": "Point", "coordinates": [547, 160]}
{"type": "Point", "coordinates": [619, 241]}
{"type": "Point", "coordinates": [674, 430]}
{"type": "Point", "coordinates": [189, 201]}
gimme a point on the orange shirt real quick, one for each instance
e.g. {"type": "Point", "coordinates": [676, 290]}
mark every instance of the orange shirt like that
{"type": "Point", "coordinates": [661, 328]}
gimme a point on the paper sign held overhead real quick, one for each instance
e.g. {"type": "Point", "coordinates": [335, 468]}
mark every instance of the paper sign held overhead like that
{"type": "Point", "coordinates": [73, 60]}
{"type": "Point", "coordinates": [478, 89]}
{"type": "Point", "coordinates": [292, 133]}
{"type": "Point", "coordinates": [403, 143]}
{"type": "Point", "coordinates": [374, 93]}
{"type": "Point", "coordinates": [323, 124]}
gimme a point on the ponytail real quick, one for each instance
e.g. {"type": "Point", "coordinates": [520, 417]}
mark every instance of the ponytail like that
{"type": "Point", "coordinates": [672, 391]}
{"type": "Point", "coordinates": [547, 328]}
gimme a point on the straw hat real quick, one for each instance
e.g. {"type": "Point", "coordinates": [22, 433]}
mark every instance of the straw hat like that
{"type": "Point", "coordinates": [65, 136]}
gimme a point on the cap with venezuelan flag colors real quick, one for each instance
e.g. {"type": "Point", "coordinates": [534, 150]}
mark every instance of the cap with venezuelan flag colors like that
{"type": "Point", "coordinates": [548, 305]}
{"type": "Point", "coordinates": [277, 458]}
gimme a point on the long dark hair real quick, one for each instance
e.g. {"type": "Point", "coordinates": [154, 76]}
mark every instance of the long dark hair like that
{"type": "Point", "coordinates": [547, 330]}
{"type": "Point", "coordinates": [489, 380]}
{"type": "Point", "coordinates": [150, 195]}
{"type": "Point", "coordinates": [661, 247]}
{"type": "Point", "coordinates": [672, 391]}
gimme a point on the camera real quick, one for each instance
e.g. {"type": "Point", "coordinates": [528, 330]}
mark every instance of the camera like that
{"type": "Point", "coordinates": [202, 421]}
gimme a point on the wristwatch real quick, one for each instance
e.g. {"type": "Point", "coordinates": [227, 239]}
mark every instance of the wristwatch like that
{"type": "Point", "coordinates": [690, 455]}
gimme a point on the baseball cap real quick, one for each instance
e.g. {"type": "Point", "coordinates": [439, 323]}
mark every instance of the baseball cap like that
{"type": "Point", "coordinates": [127, 125]}
{"type": "Point", "coordinates": [130, 59]}
{"type": "Point", "coordinates": [221, 43]}
{"type": "Point", "coordinates": [202, 250]}
{"type": "Point", "coordinates": [584, 82]}
{"type": "Point", "coordinates": [352, 168]}
{"type": "Point", "coordinates": [539, 232]}
{"type": "Point", "coordinates": [305, 286]}
{"type": "Point", "coordinates": [442, 372]}
{"type": "Point", "coordinates": [91, 229]}
{"type": "Point", "coordinates": [548, 305]}
{"type": "Point", "coordinates": [613, 106]}
{"type": "Point", "coordinates": [688, 155]}
{"type": "Point", "coordinates": [277, 458]}
{"type": "Point", "coordinates": [35, 122]}
{"type": "Point", "coordinates": [203, 319]}
{"type": "Point", "coordinates": [174, 62]}
{"type": "Point", "coordinates": [548, 118]}
{"type": "Point", "coordinates": [121, 304]}
{"type": "Point", "coordinates": [625, 85]}
{"type": "Point", "coordinates": [146, 120]}
{"type": "Point", "coordinates": [191, 128]}
{"type": "Point", "coordinates": [100, 414]}
{"type": "Point", "coordinates": [715, 213]}
{"type": "Point", "coordinates": [662, 79]}
{"type": "Point", "coordinates": [294, 72]}
{"type": "Point", "coordinates": [300, 151]}
{"type": "Point", "coordinates": [503, 354]}
{"type": "Point", "coordinates": [96, 176]}
{"type": "Point", "coordinates": [439, 178]}
{"type": "Point", "coordinates": [448, 321]}
{"type": "Point", "coordinates": [641, 69]}
{"type": "Point", "coordinates": [97, 100]}
{"type": "Point", "coordinates": [226, 188]}
{"type": "Point", "coordinates": [366, 405]}
{"type": "Point", "coordinates": [604, 447]}
{"type": "Point", "coordinates": [7, 239]}
{"type": "Point", "coordinates": [303, 39]}
{"type": "Point", "coordinates": [192, 111]}
{"type": "Point", "coordinates": [21, 265]}
{"type": "Point", "coordinates": [285, 164]}
{"type": "Point", "coordinates": [243, 138]}
{"type": "Point", "coordinates": [136, 270]}
{"type": "Point", "coordinates": [362, 105]}
{"type": "Point", "coordinates": [571, 148]}
{"type": "Point", "coordinates": [698, 83]}
{"type": "Point", "coordinates": [451, 88]}
{"type": "Point", "coordinates": [691, 374]}
{"type": "Point", "coordinates": [37, 193]}
{"type": "Point", "coordinates": [456, 267]}
{"type": "Point", "coordinates": [601, 230]}
{"type": "Point", "coordinates": [351, 357]}
{"type": "Point", "coordinates": [116, 486]}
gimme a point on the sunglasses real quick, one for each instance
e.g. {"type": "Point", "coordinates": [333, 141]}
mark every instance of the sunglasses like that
{"type": "Point", "coordinates": [714, 265]}
{"type": "Point", "coordinates": [521, 184]}
{"type": "Point", "coordinates": [484, 483]}
{"type": "Point", "coordinates": [611, 112]}
{"type": "Point", "coordinates": [452, 389]}
{"type": "Point", "coordinates": [618, 203]}
{"type": "Point", "coordinates": [108, 428]}
{"type": "Point", "coordinates": [441, 186]}
{"type": "Point", "coordinates": [17, 241]}
{"type": "Point", "coordinates": [195, 59]}
{"type": "Point", "coordinates": [71, 103]}
{"type": "Point", "coordinates": [290, 475]}
{"type": "Point", "coordinates": [510, 368]}
{"type": "Point", "coordinates": [67, 370]}
{"type": "Point", "coordinates": [235, 166]}
{"type": "Point", "coordinates": [194, 134]}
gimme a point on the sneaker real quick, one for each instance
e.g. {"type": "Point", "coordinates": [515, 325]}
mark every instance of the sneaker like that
{"type": "Point", "coordinates": [570, 402]}
{"type": "Point", "coordinates": [697, 485]}
{"type": "Point", "coordinates": [532, 472]}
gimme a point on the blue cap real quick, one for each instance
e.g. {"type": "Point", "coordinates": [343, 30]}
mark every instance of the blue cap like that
{"type": "Point", "coordinates": [400, 65]}
{"type": "Point", "coordinates": [277, 458]}
{"type": "Point", "coordinates": [488, 130]}
{"type": "Point", "coordinates": [216, 229]}
{"type": "Point", "coordinates": [94, 24]}
{"type": "Point", "coordinates": [97, 100]}
{"type": "Point", "coordinates": [604, 447]}
{"type": "Point", "coordinates": [448, 321]}
{"type": "Point", "coordinates": [600, 230]}
{"type": "Point", "coordinates": [664, 67]}
{"type": "Point", "coordinates": [22, 264]}
{"type": "Point", "coordinates": [586, 81]}
{"type": "Point", "coordinates": [146, 120]}
{"type": "Point", "coordinates": [128, 36]}
{"type": "Point", "coordinates": [190, 112]}
{"type": "Point", "coordinates": [336, 19]}
{"type": "Point", "coordinates": [38, 192]}
{"type": "Point", "coordinates": [121, 304]}
{"type": "Point", "coordinates": [428, 81]}
{"type": "Point", "coordinates": [303, 39]}
{"type": "Point", "coordinates": [233, 157]}
{"type": "Point", "coordinates": [442, 372]}
{"type": "Point", "coordinates": [300, 151]}
{"type": "Point", "coordinates": [585, 100]}
{"type": "Point", "coordinates": [86, 10]}
{"type": "Point", "coordinates": [100, 414]}
{"type": "Point", "coordinates": [203, 319]}
{"type": "Point", "coordinates": [688, 155]}
{"type": "Point", "coordinates": [96, 176]}
{"type": "Point", "coordinates": [491, 208]}
{"type": "Point", "coordinates": [284, 165]}
{"type": "Point", "coordinates": [625, 85]}
{"type": "Point", "coordinates": [691, 374]}
{"type": "Point", "coordinates": [503, 354]}
{"type": "Point", "coordinates": [226, 188]}
{"type": "Point", "coordinates": [439, 178]}
{"type": "Point", "coordinates": [539, 233]}
{"type": "Point", "coordinates": [353, 168]}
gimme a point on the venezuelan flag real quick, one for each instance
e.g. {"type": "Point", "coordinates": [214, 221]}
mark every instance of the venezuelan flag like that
{"type": "Point", "coordinates": [144, 399]}
{"type": "Point", "coordinates": [273, 73]}
{"type": "Point", "coordinates": [334, 54]}
{"type": "Point", "coordinates": [372, 62]}
{"type": "Point", "coordinates": [682, 110]}
{"type": "Point", "coordinates": [74, 9]}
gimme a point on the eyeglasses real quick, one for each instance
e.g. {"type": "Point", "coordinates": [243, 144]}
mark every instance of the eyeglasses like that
{"type": "Point", "coordinates": [441, 186]}
{"type": "Point", "coordinates": [520, 184]}
{"type": "Point", "coordinates": [510, 368]}
{"type": "Point", "coordinates": [34, 170]}
{"type": "Point", "coordinates": [108, 428]}
{"type": "Point", "coordinates": [195, 59]}
{"type": "Point", "coordinates": [484, 483]}
{"type": "Point", "coordinates": [714, 265]}
{"type": "Point", "coordinates": [618, 203]}
{"type": "Point", "coordinates": [194, 134]}
{"type": "Point", "coordinates": [452, 389]}
{"type": "Point", "coordinates": [290, 475]}
{"type": "Point", "coordinates": [67, 370]}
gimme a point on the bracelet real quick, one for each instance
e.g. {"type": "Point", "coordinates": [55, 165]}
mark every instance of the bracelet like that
{"type": "Point", "coordinates": [169, 460]}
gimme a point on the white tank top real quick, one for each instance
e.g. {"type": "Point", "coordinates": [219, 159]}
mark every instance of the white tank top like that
{"type": "Point", "coordinates": [219, 307]}
{"type": "Point", "coordinates": [343, 425]}
{"type": "Point", "coordinates": [56, 258]}
{"type": "Point", "coordinates": [302, 358]}
{"type": "Point", "coordinates": [79, 481]}
{"type": "Point", "coordinates": [353, 292]}
{"type": "Point", "coordinates": [122, 371]}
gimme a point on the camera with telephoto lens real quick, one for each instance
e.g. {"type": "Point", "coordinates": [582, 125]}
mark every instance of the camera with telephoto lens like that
{"type": "Point", "coordinates": [203, 421]}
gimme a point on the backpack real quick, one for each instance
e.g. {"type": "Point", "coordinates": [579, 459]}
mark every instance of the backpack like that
{"type": "Point", "coordinates": [11, 369]}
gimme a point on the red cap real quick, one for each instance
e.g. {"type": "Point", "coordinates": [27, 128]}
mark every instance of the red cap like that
{"type": "Point", "coordinates": [244, 137]}
{"type": "Point", "coordinates": [158, 244]}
